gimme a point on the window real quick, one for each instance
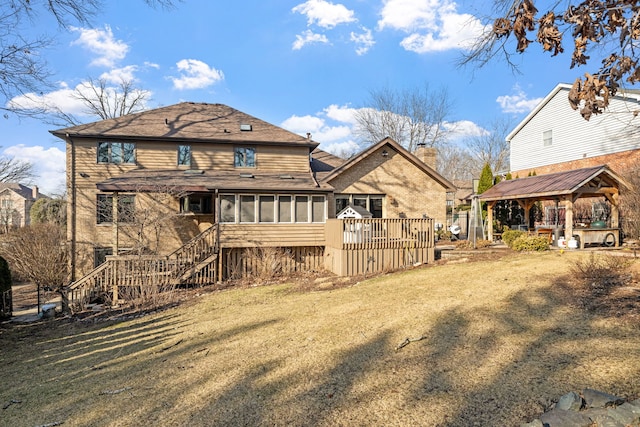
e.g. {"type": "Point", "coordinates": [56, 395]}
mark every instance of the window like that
{"type": "Point", "coordinates": [116, 152]}
{"type": "Point", "coordinates": [284, 209]}
{"type": "Point", "coordinates": [266, 206]}
{"type": "Point", "coordinates": [247, 208]}
{"type": "Point", "coordinates": [302, 209]}
{"type": "Point", "coordinates": [126, 208]}
{"type": "Point", "coordinates": [244, 157]}
{"type": "Point", "coordinates": [547, 138]}
{"type": "Point", "coordinates": [341, 203]}
{"type": "Point", "coordinates": [228, 208]}
{"type": "Point", "coordinates": [104, 208]}
{"type": "Point", "coordinates": [100, 255]}
{"type": "Point", "coordinates": [7, 204]}
{"type": "Point", "coordinates": [371, 202]}
{"type": "Point", "coordinates": [196, 203]}
{"type": "Point", "coordinates": [317, 209]}
{"type": "Point", "coordinates": [184, 155]}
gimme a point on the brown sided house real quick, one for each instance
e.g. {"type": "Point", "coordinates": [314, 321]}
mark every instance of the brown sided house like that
{"type": "Point", "coordinates": [185, 191]}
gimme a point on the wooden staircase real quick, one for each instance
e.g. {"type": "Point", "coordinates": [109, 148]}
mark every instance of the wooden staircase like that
{"type": "Point", "coordinates": [194, 263]}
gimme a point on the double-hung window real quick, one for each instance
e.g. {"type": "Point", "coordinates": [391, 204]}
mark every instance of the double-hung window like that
{"type": "Point", "coordinates": [117, 152]}
{"type": "Point", "coordinates": [184, 155]}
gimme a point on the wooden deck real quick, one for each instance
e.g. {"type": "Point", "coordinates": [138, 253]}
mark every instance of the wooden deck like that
{"type": "Point", "coordinates": [363, 246]}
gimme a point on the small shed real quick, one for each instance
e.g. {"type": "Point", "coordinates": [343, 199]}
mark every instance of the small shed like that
{"type": "Point", "coordinates": [353, 211]}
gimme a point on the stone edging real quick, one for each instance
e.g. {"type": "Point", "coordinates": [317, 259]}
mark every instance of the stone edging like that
{"type": "Point", "coordinates": [591, 408]}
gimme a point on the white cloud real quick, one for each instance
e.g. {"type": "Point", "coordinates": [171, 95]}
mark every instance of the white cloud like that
{"type": "Point", "coordinates": [517, 103]}
{"type": "Point", "coordinates": [195, 75]}
{"type": "Point", "coordinates": [61, 99]}
{"type": "Point", "coordinates": [307, 37]}
{"type": "Point", "coordinates": [49, 164]}
{"type": "Point", "coordinates": [432, 25]}
{"type": "Point", "coordinates": [463, 129]}
{"type": "Point", "coordinates": [342, 114]}
{"type": "Point", "coordinates": [324, 14]}
{"type": "Point", "coordinates": [364, 41]}
{"type": "Point", "coordinates": [117, 75]}
{"type": "Point", "coordinates": [102, 43]}
{"type": "Point", "coordinates": [318, 127]}
{"type": "Point", "coordinates": [342, 149]}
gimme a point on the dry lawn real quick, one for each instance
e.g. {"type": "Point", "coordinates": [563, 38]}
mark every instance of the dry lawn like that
{"type": "Point", "coordinates": [500, 340]}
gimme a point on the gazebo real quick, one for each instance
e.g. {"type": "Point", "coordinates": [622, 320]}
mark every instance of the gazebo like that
{"type": "Point", "coordinates": [566, 188]}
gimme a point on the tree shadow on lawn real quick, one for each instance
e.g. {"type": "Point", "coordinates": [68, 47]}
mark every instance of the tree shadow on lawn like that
{"type": "Point", "coordinates": [530, 352]}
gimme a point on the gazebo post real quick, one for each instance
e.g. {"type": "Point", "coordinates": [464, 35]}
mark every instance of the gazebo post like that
{"type": "Point", "coordinates": [490, 206]}
{"type": "Point", "coordinates": [615, 212]}
{"type": "Point", "coordinates": [568, 218]}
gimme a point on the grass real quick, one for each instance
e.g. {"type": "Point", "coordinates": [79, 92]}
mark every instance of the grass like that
{"type": "Point", "coordinates": [500, 340]}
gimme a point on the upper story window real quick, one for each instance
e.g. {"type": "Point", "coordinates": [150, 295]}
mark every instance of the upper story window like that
{"type": "Point", "coordinates": [117, 152]}
{"type": "Point", "coordinates": [184, 155]}
{"type": "Point", "coordinates": [547, 138]}
{"type": "Point", "coordinates": [244, 157]}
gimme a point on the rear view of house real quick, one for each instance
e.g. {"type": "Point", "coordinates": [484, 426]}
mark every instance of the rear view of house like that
{"type": "Point", "coordinates": [200, 184]}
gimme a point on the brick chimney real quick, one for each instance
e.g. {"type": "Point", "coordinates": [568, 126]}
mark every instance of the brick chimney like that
{"type": "Point", "coordinates": [34, 192]}
{"type": "Point", "coordinates": [427, 155]}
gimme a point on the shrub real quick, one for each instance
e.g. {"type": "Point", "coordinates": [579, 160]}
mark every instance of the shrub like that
{"type": "Point", "coordinates": [508, 236]}
{"type": "Point", "coordinates": [602, 272]}
{"type": "Point", "coordinates": [530, 244]}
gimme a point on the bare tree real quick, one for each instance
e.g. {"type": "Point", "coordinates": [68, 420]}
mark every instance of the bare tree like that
{"type": "Point", "coordinates": [456, 163]}
{"type": "Point", "coordinates": [409, 117]}
{"type": "Point", "coordinates": [38, 253]}
{"type": "Point", "coordinates": [610, 28]}
{"type": "Point", "coordinates": [23, 68]}
{"type": "Point", "coordinates": [15, 170]}
{"type": "Point", "coordinates": [490, 147]}
{"type": "Point", "coordinates": [100, 100]}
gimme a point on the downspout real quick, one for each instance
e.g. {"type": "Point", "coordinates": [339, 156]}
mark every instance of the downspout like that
{"type": "Point", "coordinates": [72, 257]}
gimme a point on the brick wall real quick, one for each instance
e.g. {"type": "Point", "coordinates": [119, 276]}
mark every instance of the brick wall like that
{"type": "Point", "coordinates": [618, 162]}
{"type": "Point", "coordinates": [409, 191]}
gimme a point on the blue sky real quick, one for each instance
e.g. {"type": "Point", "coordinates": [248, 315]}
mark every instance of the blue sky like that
{"type": "Point", "coordinates": [305, 66]}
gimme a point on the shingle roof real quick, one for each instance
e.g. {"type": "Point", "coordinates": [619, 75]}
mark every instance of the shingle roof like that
{"type": "Point", "coordinates": [554, 184]}
{"type": "Point", "coordinates": [189, 121]}
{"type": "Point", "coordinates": [324, 163]}
{"type": "Point", "coordinates": [24, 191]}
{"type": "Point", "coordinates": [203, 181]}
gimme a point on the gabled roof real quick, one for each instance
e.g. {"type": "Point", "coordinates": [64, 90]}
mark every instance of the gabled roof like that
{"type": "Point", "coordinates": [352, 211]}
{"type": "Point", "coordinates": [189, 121]}
{"type": "Point", "coordinates": [630, 94]}
{"type": "Point", "coordinates": [587, 182]}
{"type": "Point", "coordinates": [323, 163]}
{"type": "Point", "coordinates": [22, 190]}
{"type": "Point", "coordinates": [400, 150]}
{"type": "Point", "coordinates": [208, 180]}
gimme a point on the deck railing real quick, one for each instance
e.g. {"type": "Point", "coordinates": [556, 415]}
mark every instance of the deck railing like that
{"type": "Point", "coordinates": [127, 271]}
{"type": "Point", "coordinates": [379, 233]}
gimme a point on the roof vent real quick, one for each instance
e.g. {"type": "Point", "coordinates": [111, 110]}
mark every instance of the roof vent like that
{"type": "Point", "coordinates": [246, 175]}
{"type": "Point", "coordinates": [246, 128]}
{"type": "Point", "coordinates": [286, 177]}
{"type": "Point", "coordinates": [194, 172]}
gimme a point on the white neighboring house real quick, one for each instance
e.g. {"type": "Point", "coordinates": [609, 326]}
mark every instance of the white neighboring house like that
{"type": "Point", "coordinates": [15, 204]}
{"type": "Point", "coordinates": [555, 138]}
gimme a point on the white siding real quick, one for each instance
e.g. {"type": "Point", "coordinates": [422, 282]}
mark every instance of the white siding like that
{"type": "Point", "coordinates": [573, 137]}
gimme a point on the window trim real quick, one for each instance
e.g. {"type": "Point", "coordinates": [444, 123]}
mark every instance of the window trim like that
{"type": "Point", "coordinates": [244, 148]}
{"type": "Point", "coordinates": [109, 152]}
{"type": "Point", "coordinates": [237, 200]}
{"type": "Point", "coordinates": [187, 157]}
